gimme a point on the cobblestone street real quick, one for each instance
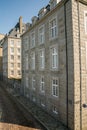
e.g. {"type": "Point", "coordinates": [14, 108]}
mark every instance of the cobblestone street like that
{"type": "Point", "coordinates": [13, 116]}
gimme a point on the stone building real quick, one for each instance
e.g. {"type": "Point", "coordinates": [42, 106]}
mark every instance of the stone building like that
{"type": "Point", "coordinates": [1, 68]}
{"type": "Point", "coordinates": [11, 45]}
{"type": "Point", "coordinates": [54, 61]}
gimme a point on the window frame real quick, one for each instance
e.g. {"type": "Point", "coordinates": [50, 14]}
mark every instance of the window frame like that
{"type": "Point", "coordinates": [32, 39]}
{"type": "Point", "coordinates": [55, 87]}
{"type": "Point", "coordinates": [42, 83]}
{"type": "Point", "coordinates": [42, 59]}
{"type": "Point", "coordinates": [41, 34]}
{"type": "Point", "coordinates": [52, 28]}
{"type": "Point", "coordinates": [85, 21]}
{"type": "Point", "coordinates": [56, 63]}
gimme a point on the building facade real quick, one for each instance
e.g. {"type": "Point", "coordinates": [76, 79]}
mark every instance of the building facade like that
{"type": "Point", "coordinates": [54, 61]}
{"type": "Point", "coordinates": [11, 58]}
{"type": "Point", "coordinates": [1, 68]}
{"type": "Point", "coordinates": [11, 45]}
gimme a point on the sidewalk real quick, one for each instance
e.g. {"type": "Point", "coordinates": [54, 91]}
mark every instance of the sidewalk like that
{"type": "Point", "coordinates": [43, 117]}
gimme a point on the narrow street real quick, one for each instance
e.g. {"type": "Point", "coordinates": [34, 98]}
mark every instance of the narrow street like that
{"type": "Point", "coordinates": [12, 117]}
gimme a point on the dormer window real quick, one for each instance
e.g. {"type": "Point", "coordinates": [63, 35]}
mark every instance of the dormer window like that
{"type": "Point", "coordinates": [53, 3]}
{"type": "Point", "coordinates": [42, 12]}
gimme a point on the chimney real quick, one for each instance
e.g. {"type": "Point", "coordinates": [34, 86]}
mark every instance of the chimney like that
{"type": "Point", "coordinates": [20, 24]}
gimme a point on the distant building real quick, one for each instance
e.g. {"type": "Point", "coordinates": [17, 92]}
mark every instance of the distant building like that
{"type": "Point", "coordinates": [1, 68]}
{"type": "Point", "coordinates": [12, 53]}
{"type": "Point", "coordinates": [54, 61]}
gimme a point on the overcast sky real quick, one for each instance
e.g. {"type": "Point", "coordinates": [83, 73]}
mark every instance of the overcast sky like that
{"type": "Point", "coordinates": [11, 10]}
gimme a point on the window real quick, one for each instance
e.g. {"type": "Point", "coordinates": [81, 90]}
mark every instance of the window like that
{"type": "Point", "coordinates": [12, 72]}
{"type": "Point", "coordinates": [86, 54]}
{"type": "Point", "coordinates": [54, 58]}
{"type": "Point", "coordinates": [19, 43]}
{"type": "Point", "coordinates": [12, 42]}
{"type": "Point", "coordinates": [42, 89]}
{"type": "Point", "coordinates": [33, 82]}
{"type": "Point", "coordinates": [12, 50]}
{"type": "Point", "coordinates": [85, 18]}
{"type": "Point", "coordinates": [55, 87]}
{"type": "Point", "coordinates": [18, 50]}
{"type": "Point", "coordinates": [26, 43]}
{"type": "Point", "coordinates": [19, 65]}
{"type": "Point", "coordinates": [33, 61]}
{"type": "Point", "coordinates": [41, 59]}
{"type": "Point", "coordinates": [12, 65]}
{"type": "Point", "coordinates": [19, 58]}
{"type": "Point", "coordinates": [12, 57]}
{"type": "Point", "coordinates": [19, 72]}
{"type": "Point", "coordinates": [32, 40]}
{"type": "Point", "coordinates": [53, 28]}
{"type": "Point", "coordinates": [55, 110]}
{"type": "Point", "coordinates": [41, 35]}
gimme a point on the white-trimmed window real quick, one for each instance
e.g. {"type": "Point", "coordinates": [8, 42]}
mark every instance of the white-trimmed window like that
{"type": "Point", "coordinates": [19, 57]}
{"type": "Point", "coordinates": [85, 21]}
{"type": "Point", "coordinates": [32, 39]}
{"type": "Point", "coordinates": [12, 72]}
{"type": "Point", "coordinates": [55, 110]}
{"type": "Point", "coordinates": [55, 87]}
{"type": "Point", "coordinates": [19, 72]}
{"type": "Point", "coordinates": [41, 59]}
{"type": "Point", "coordinates": [19, 65]}
{"type": "Point", "coordinates": [12, 50]}
{"type": "Point", "coordinates": [19, 50]}
{"type": "Point", "coordinates": [26, 43]}
{"type": "Point", "coordinates": [42, 86]}
{"type": "Point", "coordinates": [19, 43]}
{"type": "Point", "coordinates": [12, 42]}
{"type": "Point", "coordinates": [12, 65]}
{"type": "Point", "coordinates": [53, 28]}
{"type": "Point", "coordinates": [12, 57]}
{"type": "Point", "coordinates": [33, 61]}
{"type": "Point", "coordinates": [41, 35]}
{"type": "Point", "coordinates": [33, 83]}
{"type": "Point", "coordinates": [54, 58]}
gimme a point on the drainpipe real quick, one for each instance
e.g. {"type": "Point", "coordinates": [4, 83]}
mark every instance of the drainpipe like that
{"type": "Point", "coordinates": [66, 62]}
{"type": "Point", "coordinates": [80, 66]}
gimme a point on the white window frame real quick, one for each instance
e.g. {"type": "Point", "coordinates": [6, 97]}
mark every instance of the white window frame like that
{"type": "Point", "coordinates": [42, 85]}
{"type": "Point", "coordinates": [53, 30]}
{"type": "Point", "coordinates": [12, 72]}
{"type": "Point", "coordinates": [55, 87]}
{"type": "Point", "coordinates": [33, 61]}
{"type": "Point", "coordinates": [33, 82]}
{"type": "Point", "coordinates": [85, 21]}
{"type": "Point", "coordinates": [54, 58]}
{"type": "Point", "coordinates": [32, 39]}
{"type": "Point", "coordinates": [12, 59]}
{"type": "Point", "coordinates": [41, 36]}
{"type": "Point", "coordinates": [19, 43]}
{"type": "Point", "coordinates": [55, 110]}
{"type": "Point", "coordinates": [41, 59]}
{"type": "Point", "coordinates": [11, 42]}
{"type": "Point", "coordinates": [18, 72]}
{"type": "Point", "coordinates": [12, 65]}
{"type": "Point", "coordinates": [18, 52]}
{"type": "Point", "coordinates": [12, 50]}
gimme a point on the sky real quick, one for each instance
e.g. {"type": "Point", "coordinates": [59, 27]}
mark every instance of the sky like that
{"type": "Point", "coordinates": [11, 10]}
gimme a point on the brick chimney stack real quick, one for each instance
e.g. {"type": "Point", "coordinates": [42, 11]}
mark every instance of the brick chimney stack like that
{"type": "Point", "coordinates": [20, 24]}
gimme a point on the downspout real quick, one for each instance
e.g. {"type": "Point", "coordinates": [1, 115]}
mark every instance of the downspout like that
{"type": "Point", "coordinates": [66, 63]}
{"type": "Point", "coordinates": [80, 66]}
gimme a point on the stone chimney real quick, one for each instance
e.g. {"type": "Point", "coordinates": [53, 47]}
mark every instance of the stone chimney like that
{"type": "Point", "coordinates": [20, 24]}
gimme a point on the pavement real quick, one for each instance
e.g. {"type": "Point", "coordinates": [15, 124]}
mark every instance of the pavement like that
{"type": "Point", "coordinates": [41, 115]}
